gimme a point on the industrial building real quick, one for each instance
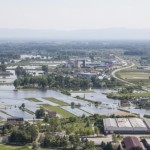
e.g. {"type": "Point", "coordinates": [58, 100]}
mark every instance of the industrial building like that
{"type": "Point", "coordinates": [147, 122]}
{"type": "Point", "coordinates": [126, 125]}
{"type": "Point", "coordinates": [138, 125]}
{"type": "Point", "coordinates": [110, 125]}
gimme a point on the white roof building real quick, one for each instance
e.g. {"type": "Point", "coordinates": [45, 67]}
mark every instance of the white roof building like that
{"type": "Point", "coordinates": [124, 124]}
{"type": "Point", "coordinates": [137, 124]}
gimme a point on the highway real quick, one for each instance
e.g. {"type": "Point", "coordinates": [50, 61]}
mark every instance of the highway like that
{"type": "Point", "coordinates": [122, 68]}
{"type": "Point", "coordinates": [127, 82]}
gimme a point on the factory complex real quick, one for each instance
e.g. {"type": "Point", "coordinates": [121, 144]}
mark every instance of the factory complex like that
{"type": "Point", "coordinates": [126, 125]}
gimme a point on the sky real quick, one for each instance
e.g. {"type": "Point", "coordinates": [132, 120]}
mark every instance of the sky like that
{"type": "Point", "coordinates": [74, 14]}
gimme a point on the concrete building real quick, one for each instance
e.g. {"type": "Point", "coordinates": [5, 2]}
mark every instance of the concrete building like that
{"type": "Point", "coordinates": [97, 65]}
{"type": "Point", "coordinates": [138, 125]}
{"type": "Point", "coordinates": [125, 126]}
{"type": "Point", "coordinates": [110, 125]}
{"type": "Point", "coordinates": [77, 64]}
{"type": "Point", "coordinates": [147, 122]}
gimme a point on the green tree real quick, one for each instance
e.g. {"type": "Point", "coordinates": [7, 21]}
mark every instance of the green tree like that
{"type": "Point", "coordinates": [33, 130]}
{"type": "Point", "coordinates": [23, 106]}
{"type": "Point", "coordinates": [45, 68]}
{"type": "Point", "coordinates": [46, 118]}
{"type": "Point", "coordinates": [3, 67]}
{"type": "Point", "coordinates": [16, 83]}
{"type": "Point", "coordinates": [74, 140]}
{"type": "Point", "coordinates": [96, 130]}
{"type": "Point", "coordinates": [89, 145]}
{"type": "Point", "coordinates": [40, 113]}
{"type": "Point", "coordinates": [72, 105]}
{"type": "Point", "coordinates": [34, 145]}
{"type": "Point", "coordinates": [20, 72]}
{"type": "Point", "coordinates": [43, 83]}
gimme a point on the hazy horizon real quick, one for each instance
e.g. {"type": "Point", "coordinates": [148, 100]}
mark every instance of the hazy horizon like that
{"type": "Point", "coordinates": [74, 14]}
{"type": "Point", "coordinates": [75, 19]}
{"type": "Point", "coordinates": [97, 34]}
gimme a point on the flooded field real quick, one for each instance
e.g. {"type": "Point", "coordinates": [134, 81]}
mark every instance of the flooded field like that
{"type": "Point", "coordinates": [8, 78]}
{"type": "Point", "coordinates": [11, 100]}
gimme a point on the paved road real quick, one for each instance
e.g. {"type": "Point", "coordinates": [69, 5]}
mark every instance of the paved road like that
{"type": "Point", "coordinates": [99, 140]}
{"type": "Point", "coordinates": [122, 68]}
{"type": "Point", "coordinates": [127, 82]}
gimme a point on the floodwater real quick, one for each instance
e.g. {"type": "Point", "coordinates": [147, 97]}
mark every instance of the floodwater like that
{"type": "Point", "coordinates": [9, 78]}
{"type": "Point", "coordinates": [12, 100]}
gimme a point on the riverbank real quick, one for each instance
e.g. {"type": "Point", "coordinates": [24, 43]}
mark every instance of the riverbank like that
{"type": "Point", "coordinates": [122, 96]}
{"type": "Point", "coordinates": [90, 101]}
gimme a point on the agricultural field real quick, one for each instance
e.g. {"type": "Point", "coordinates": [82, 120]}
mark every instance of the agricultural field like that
{"type": "Point", "coordinates": [127, 95]}
{"type": "Point", "coordinates": [129, 75]}
{"type": "Point", "coordinates": [137, 77]}
{"type": "Point", "coordinates": [60, 111]}
{"type": "Point", "coordinates": [54, 100]}
{"type": "Point", "coordinates": [33, 100]}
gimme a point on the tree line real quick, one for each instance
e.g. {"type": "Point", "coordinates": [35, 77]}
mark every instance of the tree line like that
{"type": "Point", "coordinates": [65, 82]}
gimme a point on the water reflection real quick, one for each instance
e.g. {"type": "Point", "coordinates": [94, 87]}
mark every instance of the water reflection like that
{"type": "Point", "coordinates": [11, 100]}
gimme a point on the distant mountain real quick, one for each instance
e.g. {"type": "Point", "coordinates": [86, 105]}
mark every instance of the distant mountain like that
{"type": "Point", "coordinates": [101, 34]}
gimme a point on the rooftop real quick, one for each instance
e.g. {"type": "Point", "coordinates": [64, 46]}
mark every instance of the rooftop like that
{"type": "Point", "coordinates": [132, 142]}
{"type": "Point", "coordinates": [126, 124]}
{"type": "Point", "coordinates": [147, 122]}
{"type": "Point", "coordinates": [110, 122]}
{"type": "Point", "coordinates": [123, 122]}
{"type": "Point", "coordinates": [137, 122]}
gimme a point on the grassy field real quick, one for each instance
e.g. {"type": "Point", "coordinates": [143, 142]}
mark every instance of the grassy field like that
{"type": "Point", "coordinates": [33, 99]}
{"type": "Point", "coordinates": [128, 95]}
{"type": "Point", "coordinates": [144, 82]}
{"type": "Point", "coordinates": [85, 91]}
{"type": "Point", "coordinates": [88, 100]}
{"type": "Point", "coordinates": [137, 77]}
{"type": "Point", "coordinates": [6, 147]}
{"type": "Point", "coordinates": [128, 75]}
{"type": "Point", "coordinates": [60, 111]}
{"type": "Point", "coordinates": [74, 128]}
{"type": "Point", "coordinates": [23, 63]}
{"type": "Point", "coordinates": [59, 102]}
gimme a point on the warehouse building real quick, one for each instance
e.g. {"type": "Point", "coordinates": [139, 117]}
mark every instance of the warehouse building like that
{"type": "Point", "coordinates": [147, 122]}
{"type": "Point", "coordinates": [110, 125]}
{"type": "Point", "coordinates": [125, 126]}
{"type": "Point", "coordinates": [138, 125]}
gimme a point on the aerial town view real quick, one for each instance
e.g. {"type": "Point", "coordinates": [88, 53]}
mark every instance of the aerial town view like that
{"type": "Point", "coordinates": [74, 75]}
